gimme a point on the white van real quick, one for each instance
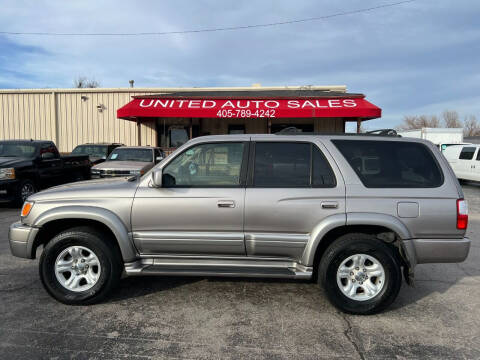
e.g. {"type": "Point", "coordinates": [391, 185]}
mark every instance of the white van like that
{"type": "Point", "coordinates": [464, 160]}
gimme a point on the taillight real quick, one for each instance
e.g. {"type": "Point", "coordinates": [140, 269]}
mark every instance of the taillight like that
{"type": "Point", "coordinates": [462, 214]}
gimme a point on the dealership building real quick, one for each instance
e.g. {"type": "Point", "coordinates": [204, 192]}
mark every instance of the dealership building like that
{"type": "Point", "coordinates": [168, 117]}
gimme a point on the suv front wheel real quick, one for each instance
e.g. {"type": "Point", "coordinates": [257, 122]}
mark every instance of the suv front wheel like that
{"type": "Point", "coordinates": [79, 267]}
{"type": "Point", "coordinates": [360, 274]}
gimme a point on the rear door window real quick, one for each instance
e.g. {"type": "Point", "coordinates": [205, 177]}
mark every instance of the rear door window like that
{"type": "Point", "coordinates": [286, 164]}
{"type": "Point", "coordinates": [467, 153]}
{"type": "Point", "coordinates": [391, 164]}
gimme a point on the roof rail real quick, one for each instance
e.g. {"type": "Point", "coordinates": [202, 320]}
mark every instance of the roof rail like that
{"type": "Point", "coordinates": [292, 130]}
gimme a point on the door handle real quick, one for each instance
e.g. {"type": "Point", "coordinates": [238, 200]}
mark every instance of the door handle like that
{"type": "Point", "coordinates": [329, 205]}
{"type": "Point", "coordinates": [226, 204]}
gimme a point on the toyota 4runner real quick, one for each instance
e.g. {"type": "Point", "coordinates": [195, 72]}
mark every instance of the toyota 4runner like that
{"type": "Point", "coordinates": [350, 212]}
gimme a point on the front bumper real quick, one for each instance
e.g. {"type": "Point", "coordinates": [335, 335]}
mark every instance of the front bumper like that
{"type": "Point", "coordinates": [21, 238]}
{"type": "Point", "coordinates": [426, 251]}
{"type": "Point", "coordinates": [8, 189]}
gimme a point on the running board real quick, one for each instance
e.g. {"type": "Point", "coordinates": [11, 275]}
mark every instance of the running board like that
{"type": "Point", "coordinates": [221, 267]}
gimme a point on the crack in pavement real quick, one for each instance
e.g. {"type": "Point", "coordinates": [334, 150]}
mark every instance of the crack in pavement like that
{"type": "Point", "coordinates": [348, 333]}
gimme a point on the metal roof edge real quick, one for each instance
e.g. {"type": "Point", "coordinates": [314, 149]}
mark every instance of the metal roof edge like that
{"type": "Point", "coordinates": [334, 88]}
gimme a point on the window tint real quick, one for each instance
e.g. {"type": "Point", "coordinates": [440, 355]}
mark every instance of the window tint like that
{"type": "Point", "coordinates": [91, 150]}
{"type": "Point", "coordinates": [217, 164]}
{"type": "Point", "coordinates": [467, 153]}
{"type": "Point", "coordinates": [12, 149]}
{"type": "Point", "coordinates": [131, 154]}
{"type": "Point", "coordinates": [391, 164]}
{"type": "Point", "coordinates": [322, 174]}
{"type": "Point", "coordinates": [290, 165]}
{"type": "Point", "coordinates": [478, 155]}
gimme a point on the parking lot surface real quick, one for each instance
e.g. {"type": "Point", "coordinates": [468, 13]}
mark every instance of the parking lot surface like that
{"type": "Point", "coordinates": [187, 318]}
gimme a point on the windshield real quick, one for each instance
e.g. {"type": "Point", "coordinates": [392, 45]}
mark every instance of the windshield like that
{"type": "Point", "coordinates": [90, 150]}
{"type": "Point", "coordinates": [12, 149]}
{"type": "Point", "coordinates": [145, 155]}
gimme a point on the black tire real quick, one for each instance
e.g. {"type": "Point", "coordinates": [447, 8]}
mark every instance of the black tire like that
{"type": "Point", "coordinates": [358, 243]}
{"type": "Point", "coordinates": [101, 245]}
{"type": "Point", "coordinates": [25, 188]}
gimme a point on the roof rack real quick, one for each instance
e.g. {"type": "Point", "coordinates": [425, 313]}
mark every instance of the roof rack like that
{"type": "Point", "coordinates": [292, 130]}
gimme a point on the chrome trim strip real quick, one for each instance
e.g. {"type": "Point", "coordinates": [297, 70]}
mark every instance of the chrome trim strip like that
{"type": "Point", "coordinates": [187, 235]}
{"type": "Point", "coordinates": [278, 237]}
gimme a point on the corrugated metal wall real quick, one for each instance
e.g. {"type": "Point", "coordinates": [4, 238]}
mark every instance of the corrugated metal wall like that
{"type": "Point", "coordinates": [27, 115]}
{"type": "Point", "coordinates": [31, 115]}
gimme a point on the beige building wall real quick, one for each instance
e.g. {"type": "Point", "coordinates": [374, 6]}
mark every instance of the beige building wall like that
{"type": "Point", "coordinates": [75, 116]}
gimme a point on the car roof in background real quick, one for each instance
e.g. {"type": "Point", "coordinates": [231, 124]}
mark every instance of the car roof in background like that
{"type": "Point", "coordinates": [101, 143]}
{"type": "Point", "coordinates": [137, 147]}
{"type": "Point", "coordinates": [27, 141]}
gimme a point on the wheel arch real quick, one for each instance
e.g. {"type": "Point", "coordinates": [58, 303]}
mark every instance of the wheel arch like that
{"type": "Point", "coordinates": [58, 219]}
{"type": "Point", "coordinates": [387, 228]}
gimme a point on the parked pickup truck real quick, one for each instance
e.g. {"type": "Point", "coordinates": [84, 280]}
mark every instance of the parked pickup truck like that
{"type": "Point", "coordinates": [350, 212]}
{"type": "Point", "coordinates": [29, 165]}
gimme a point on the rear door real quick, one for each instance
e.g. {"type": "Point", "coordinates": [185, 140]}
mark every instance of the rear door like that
{"type": "Point", "coordinates": [292, 186]}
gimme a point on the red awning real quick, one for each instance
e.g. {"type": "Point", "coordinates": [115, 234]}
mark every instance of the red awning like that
{"type": "Point", "coordinates": [196, 107]}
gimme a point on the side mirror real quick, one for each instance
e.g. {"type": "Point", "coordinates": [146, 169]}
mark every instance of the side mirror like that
{"type": "Point", "coordinates": [157, 178]}
{"type": "Point", "coordinates": [159, 158]}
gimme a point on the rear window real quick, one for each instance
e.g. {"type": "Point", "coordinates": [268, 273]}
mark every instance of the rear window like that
{"type": "Point", "coordinates": [467, 153]}
{"type": "Point", "coordinates": [391, 164]}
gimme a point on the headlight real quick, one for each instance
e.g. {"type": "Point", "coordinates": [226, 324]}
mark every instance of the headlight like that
{"type": "Point", "coordinates": [137, 172]}
{"type": "Point", "coordinates": [7, 173]}
{"type": "Point", "coordinates": [27, 207]}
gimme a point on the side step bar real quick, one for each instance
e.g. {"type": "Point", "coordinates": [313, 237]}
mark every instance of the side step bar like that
{"type": "Point", "coordinates": [221, 267]}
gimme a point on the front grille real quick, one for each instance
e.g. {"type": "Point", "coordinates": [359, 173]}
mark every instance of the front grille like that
{"type": "Point", "coordinates": [112, 173]}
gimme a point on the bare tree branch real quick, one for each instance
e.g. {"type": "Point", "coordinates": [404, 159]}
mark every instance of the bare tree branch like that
{"type": "Point", "coordinates": [471, 126]}
{"type": "Point", "coordinates": [82, 83]}
{"type": "Point", "coordinates": [451, 119]}
{"type": "Point", "coordinates": [418, 122]}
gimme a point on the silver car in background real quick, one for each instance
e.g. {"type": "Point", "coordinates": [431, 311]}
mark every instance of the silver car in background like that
{"type": "Point", "coordinates": [128, 161]}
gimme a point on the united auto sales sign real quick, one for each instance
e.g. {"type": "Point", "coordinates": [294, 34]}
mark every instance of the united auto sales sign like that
{"type": "Point", "coordinates": [248, 108]}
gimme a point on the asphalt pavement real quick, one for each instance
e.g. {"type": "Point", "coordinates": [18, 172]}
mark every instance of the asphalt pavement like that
{"type": "Point", "coordinates": [206, 318]}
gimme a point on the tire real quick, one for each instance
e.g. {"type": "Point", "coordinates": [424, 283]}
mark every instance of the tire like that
{"type": "Point", "coordinates": [348, 286]}
{"type": "Point", "coordinates": [90, 284]}
{"type": "Point", "coordinates": [24, 190]}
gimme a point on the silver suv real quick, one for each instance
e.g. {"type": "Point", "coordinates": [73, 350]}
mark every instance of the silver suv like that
{"type": "Point", "coordinates": [349, 212]}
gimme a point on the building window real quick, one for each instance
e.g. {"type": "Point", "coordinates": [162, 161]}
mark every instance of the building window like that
{"type": "Point", "coordinates": [236, 129]}
{"type": "Point", "coordinates": [177, 137]}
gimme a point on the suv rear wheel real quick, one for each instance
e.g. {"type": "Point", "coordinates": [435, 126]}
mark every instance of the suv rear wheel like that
{"type": "Point", "coordinates": [360, 274]}
{"type": "Point", "coordinates": [79, 267]}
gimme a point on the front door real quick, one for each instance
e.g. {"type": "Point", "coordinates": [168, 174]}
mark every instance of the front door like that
{"type": "Point", "coordinates": [200, 208]}
{"type": "Point", "coordinates": [291, 188]}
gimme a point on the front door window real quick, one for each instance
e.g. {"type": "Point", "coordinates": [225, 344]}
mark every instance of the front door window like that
{"type": "Point", "coordinates": [206, 165]}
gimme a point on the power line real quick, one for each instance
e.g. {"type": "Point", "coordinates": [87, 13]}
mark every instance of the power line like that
{"type": "Point", "coordinates": [230, 28]}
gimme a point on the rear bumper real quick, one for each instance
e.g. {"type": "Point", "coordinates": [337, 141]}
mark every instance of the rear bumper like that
{"type": "Point", "coordinates": [21, 238]}
{"type": "Point", "coordinates": [438, 250]}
